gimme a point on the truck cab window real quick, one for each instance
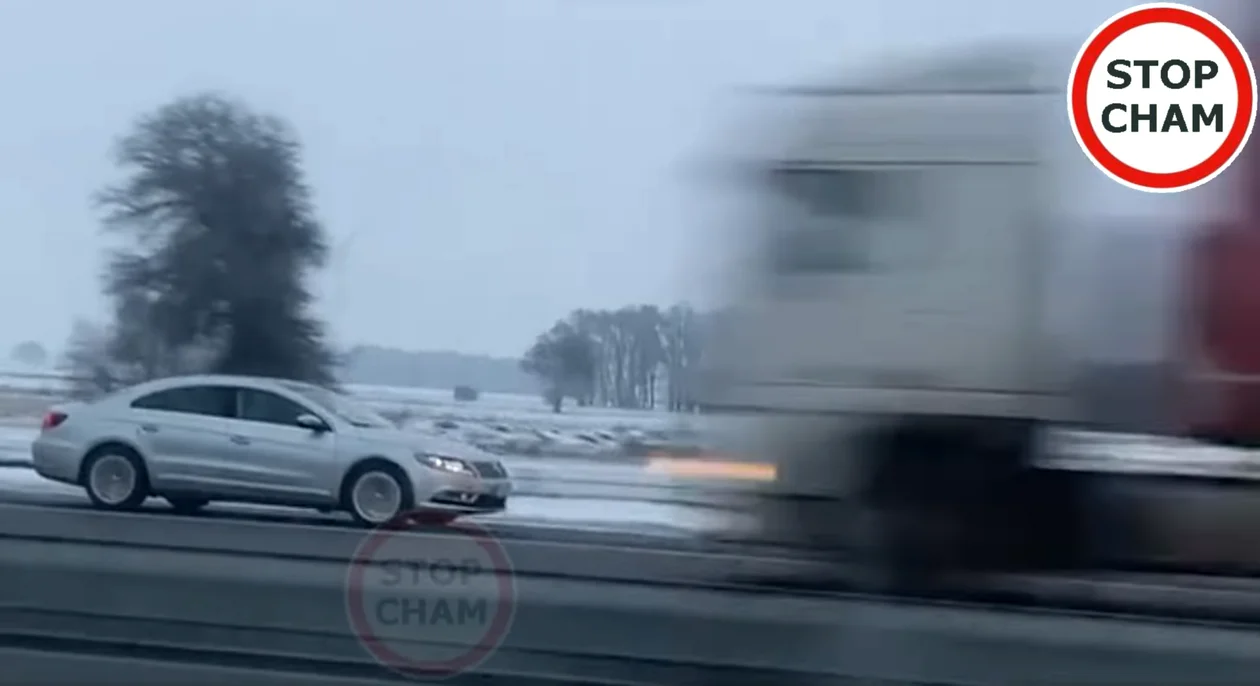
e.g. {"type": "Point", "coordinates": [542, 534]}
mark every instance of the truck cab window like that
{"type": "Point", "coordinates": [845, 220]}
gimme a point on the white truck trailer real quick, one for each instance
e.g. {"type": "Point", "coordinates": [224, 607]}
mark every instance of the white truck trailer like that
{"type": "Point", "coordinates": [889, 346]}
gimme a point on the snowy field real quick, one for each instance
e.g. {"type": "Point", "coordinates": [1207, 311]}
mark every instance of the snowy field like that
{"type": "Point", "coordinates": [499, 422]}
{"type": "Point", "coordinates": [508, 407]}
{"type": "Point", "coordinates": [506, 423]}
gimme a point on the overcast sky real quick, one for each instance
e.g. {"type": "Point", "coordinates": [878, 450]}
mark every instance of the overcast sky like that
{"type": "Point", "coordinates": [482, 166]}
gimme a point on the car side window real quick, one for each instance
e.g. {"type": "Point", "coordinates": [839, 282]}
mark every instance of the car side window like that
{"type": "Point", "coordinates": [268, 407]}
{"type": "Point", "coordinates": [212, 401]}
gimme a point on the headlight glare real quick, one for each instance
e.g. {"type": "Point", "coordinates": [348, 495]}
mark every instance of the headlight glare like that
{"type": "Point", "coordinates": [444, 464]}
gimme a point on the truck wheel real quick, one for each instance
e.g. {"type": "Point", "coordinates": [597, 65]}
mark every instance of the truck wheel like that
{"type": "Point", "coordinates": [911, 533]}
{"type": "Point", "coordinates": [909, 553]}
{"type": "Point", "coordinates": [1053, 520]}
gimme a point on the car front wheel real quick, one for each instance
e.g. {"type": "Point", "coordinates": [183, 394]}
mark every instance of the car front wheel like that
{"type": "Point", "coordinates": [378, 495]}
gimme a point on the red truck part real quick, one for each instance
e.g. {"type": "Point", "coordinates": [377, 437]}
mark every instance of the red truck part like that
{"type": "Point", "coordinates": [1221, 399]}
{"type": "Point", "coordinates": [1222, 353]}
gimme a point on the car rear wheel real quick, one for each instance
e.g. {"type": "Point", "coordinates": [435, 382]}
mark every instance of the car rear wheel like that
{"type": "Point", "coordinates": [115, 479]}
{"type": "Point", "coordinates": [377, 495]}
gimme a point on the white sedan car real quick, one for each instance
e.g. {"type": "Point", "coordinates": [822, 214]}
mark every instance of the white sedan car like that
{"type": "Point", "coordinates": [197, 439]}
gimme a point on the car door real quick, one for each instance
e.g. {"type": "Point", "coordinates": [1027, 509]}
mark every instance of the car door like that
{"type": "Point", "coordinates": [182, 433]}
{"type": "Point", "coordinates": [275, 456]}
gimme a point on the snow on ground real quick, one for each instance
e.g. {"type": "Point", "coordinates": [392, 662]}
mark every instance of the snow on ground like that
{"type": "Point", "coordinates": [596, 513]}
{"type": "Point", "coordinates": [585, 514]}
{"type": "Point", "coordinates": [15, 443]}
{"type": "Point", "coordinates": [550, 491]}
{"type": "Point", "coordinates": [503, 438]}
{"type": "Point", "coordinates": [508, 407]}
{"type": "Point", "coordinates": [28, 482]}
{"type": "Point", "coordinates": [32, 379]}
{"type": "Point", "coordinates": [1140, 453]}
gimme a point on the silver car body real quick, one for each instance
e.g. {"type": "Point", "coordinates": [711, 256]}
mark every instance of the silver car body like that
{"type": "Point", "coordinates": [227, 453]}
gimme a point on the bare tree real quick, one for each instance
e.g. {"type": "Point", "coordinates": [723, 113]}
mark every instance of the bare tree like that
{"type": "Point", "coordinates": [634, 351]}
{"type": "Point", "coordinates": [564, 360]}
{"type": "Point", "coordinates": [221, 238]}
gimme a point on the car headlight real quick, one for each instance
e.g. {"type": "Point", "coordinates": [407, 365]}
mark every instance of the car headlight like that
{"type": "Point", "coordinates": [445, 464]}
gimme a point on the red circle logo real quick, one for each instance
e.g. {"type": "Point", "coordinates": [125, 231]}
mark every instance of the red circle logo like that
{"type": "Point", "coordinates": [1162, 97]}
{"type": "Point", "coordinates": [434, 605]}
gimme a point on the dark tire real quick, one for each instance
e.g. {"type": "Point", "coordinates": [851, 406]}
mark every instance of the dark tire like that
{"type": "Point", "coordinates": [372, 476]}
{"type": "Point", "coordinates": [990, 508]}
{"type": "Point", "coordinates": [940, 504]}
{"type": "Point", "coordinates": [114, 477]}
{"type": "Point", "coordinates": [185, 505]}
{"type": "Point", "coordinates": [433, 518]}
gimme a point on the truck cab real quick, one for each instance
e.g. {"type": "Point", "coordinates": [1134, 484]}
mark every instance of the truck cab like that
{"type": "Point", "coordinates": [891, 332]}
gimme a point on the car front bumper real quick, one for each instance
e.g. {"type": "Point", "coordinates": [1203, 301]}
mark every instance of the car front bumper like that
{"type": "Point", "coordinates": [465, 494]}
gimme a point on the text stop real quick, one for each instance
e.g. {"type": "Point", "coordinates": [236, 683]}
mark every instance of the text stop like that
{"type": "Point", "coordinates": [1162, 97]}
{"type": "Point", "coordinates": [1174, 74]}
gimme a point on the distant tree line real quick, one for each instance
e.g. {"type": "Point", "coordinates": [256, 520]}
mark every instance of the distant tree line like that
{"type": "Point", "coordinates": [216, 239]}
{"type": "Point", "coordinates": [442, 369]}
{"type": "Point", "coordinates": [639, 357]}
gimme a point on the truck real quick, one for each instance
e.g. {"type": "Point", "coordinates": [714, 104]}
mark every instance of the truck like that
{"type": "Point", "coordinates": [1221, 374]}
{"type": "Point", "coordinates": [889, 345]}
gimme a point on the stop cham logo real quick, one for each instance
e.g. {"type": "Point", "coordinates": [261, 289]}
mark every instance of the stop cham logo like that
{"type": "Point", "coordinates": [1162, 97]}
{"type": "Point", "coordinates": [430, 605]}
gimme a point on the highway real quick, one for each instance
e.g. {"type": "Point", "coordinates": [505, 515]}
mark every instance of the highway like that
{"type": "Point", "coordinates": [258, 596]}
{"type": "Point", "coordinates": [197, 594]}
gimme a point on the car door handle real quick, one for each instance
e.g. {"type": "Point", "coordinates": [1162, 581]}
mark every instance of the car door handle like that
{"type": "Point", "coordinates": [149, 428]}
{"type": "Point", "coordinates": [240, 440]}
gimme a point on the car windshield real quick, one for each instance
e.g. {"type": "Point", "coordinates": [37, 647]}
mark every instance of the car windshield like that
{"type": "Point", "coordinates": [341, 405]}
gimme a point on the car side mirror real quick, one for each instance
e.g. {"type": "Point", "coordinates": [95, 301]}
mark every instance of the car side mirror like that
{"type": "Point", "coordinates": [310, 421]}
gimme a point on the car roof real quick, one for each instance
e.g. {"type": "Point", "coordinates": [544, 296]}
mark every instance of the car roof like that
{"type": "Point", "coordinates": [261, 382]}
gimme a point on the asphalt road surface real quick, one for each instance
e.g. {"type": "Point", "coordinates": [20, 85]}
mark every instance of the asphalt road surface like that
{"type": "Point", "coordinates": [207, 597]}
{"type": "Point", "coordinates": [258, 596]}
